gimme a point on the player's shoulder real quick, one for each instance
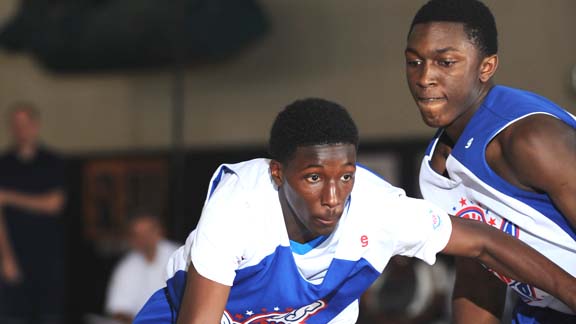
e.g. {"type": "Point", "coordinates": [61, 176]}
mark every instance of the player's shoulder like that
{"type": "Point", "coordinates": [250, 173]}
{"type": "Point", "coordinates": [247, 174]}
{"type": "Point", "coordinates": [369, 183]}
{"type": "Point", "coordinates": [537, 133]}
{"type": "Point", "coordinates": [240, 179]}
{"type": "Point", "coordinates": [241, 193]}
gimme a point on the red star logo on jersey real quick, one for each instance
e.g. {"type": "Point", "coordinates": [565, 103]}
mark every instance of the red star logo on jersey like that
{"type": "Point", "coordinates": [463, 202]}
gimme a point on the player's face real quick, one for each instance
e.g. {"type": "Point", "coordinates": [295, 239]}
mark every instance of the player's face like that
{"type": "Point", "coordinates": [446, 74]}
{"type": "Point", "coordinates": [314, 187]}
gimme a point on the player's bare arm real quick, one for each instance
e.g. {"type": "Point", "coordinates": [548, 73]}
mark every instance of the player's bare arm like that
{"type": "Point", "coordinates": [204, 300]}
{"type": "Point", "coordinates": [478, 292]}
{"type": "Point", "coordinates": [541, 152]}
{"type": "Point", "coordinates": [510, 257]}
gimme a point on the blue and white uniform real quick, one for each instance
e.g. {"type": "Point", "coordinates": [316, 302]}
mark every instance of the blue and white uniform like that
{"type": "Point", "coordinates": [241, 241]}
{"type": "Point", "coordinates": [473, 190]}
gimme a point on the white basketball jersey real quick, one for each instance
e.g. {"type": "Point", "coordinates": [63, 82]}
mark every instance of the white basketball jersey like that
{"type": "Point", "coordinates": [474, 191]}
{"type": "Point", "coordinates": [241, 241]}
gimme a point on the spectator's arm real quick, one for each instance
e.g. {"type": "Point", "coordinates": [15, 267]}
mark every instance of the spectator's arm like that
{"type": "Point", "coordinates": [9, 269]}
{"type": "Point", "coordinates": [51, 202]}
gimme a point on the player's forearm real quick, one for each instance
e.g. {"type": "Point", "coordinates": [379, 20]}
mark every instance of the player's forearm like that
{"type": "Point", "coordinates": [513, 258]}
{"type": "Point", "coordinates": [204, 300]}
{"type": "Point", "coordinates": [50, 203]}
{"type": "Point", "coordinates": [510, 257]}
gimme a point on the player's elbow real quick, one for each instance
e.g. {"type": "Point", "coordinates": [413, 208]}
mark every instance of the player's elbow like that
{"type": "Point", "coordinates": [468, 239]}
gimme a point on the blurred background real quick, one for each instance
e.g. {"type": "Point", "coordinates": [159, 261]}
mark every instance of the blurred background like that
{"type": "Point", "coordinates": [143, 99]}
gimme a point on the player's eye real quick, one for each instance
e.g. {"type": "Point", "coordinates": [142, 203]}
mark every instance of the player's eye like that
{"type": "Point", "coordinates": [446, 63]}
{"type": "Point", "coordinates": [313, 178]}
{"type": "Point", "coordinates": [413, 62]}
{"type": "Point", "coordinates": [347, 177]}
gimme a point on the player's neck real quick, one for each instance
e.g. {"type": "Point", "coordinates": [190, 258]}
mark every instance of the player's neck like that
{"type": "Point", "coordinates": [456, 128]}
{"type": "Point", "coordinates": [296, 230]}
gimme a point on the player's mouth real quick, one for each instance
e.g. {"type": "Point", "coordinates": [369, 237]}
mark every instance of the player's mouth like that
{"type": "Point", "coordinates": [327, 222]}
{"type": "Point", "coordinates": [430, 100]}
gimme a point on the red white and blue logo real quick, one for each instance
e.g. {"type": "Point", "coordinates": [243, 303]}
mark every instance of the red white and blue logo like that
{"type": "Point", "coordinates": [470, 210]}
{"type": "Point", "coordinates": [291, 316]}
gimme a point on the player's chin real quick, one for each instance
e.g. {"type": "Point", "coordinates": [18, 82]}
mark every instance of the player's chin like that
{"type": "Point", "coordinates": [325, 227]}
{"type": "Point", "coordinates": [431, 119]}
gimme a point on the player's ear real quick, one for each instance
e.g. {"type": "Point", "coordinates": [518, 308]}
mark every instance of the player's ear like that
{"type": "Point", "coordinates": [488, 67]}
{"type": "Point", "coordinates": [276, 172]}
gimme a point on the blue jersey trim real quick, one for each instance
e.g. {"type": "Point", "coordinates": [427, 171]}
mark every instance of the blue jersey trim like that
{"type": "Point", "coordinates": [223, 170]}
{"type": "Point", "coordinates": [525, 314]}
{"type": "Point", "coordinates": [502, 106]}
{"type": "Point", "coordinates": [303, 248]}
{"type": "Point", "coordinates": [371, 171]}
{"type": "Point", "coordinates": [275, 287]}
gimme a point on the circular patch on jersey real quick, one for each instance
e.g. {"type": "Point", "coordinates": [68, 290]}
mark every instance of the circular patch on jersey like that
{"type": "Point", "coordinates": [436, 220]}
{"type": "Point", "coordinates": [472, 212]}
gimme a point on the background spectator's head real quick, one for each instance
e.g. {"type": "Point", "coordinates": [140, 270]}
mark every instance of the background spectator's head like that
{"type": "Point", "coordinates": [24, 124]}
{"type": "Point", "coordinates": [144, 232]}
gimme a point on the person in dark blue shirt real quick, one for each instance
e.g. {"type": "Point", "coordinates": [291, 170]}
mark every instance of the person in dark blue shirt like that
{"type": "Point", "coordinates": [32, 198]}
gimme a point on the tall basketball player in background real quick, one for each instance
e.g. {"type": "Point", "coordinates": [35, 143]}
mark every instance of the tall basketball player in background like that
{"type": "Point", "coordinates": [503, 156]}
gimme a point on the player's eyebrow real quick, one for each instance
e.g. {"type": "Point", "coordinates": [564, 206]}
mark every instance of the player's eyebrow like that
{"type": "Point", "coordinates": [447, 49]}
{"type": "Point", "coordinates": [313, 165]}
{"type": "Point", "coordinates": [438, 51]}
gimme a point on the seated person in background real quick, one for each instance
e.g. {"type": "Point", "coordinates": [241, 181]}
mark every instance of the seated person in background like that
{"type": "Point", "coordinates": [142, 271]}
{"type": "Point", "coordinates": [300, 237]}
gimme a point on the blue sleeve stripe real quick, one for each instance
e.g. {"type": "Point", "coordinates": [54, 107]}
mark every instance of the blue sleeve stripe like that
{"type": "Point", "coordinates": [223, 170]}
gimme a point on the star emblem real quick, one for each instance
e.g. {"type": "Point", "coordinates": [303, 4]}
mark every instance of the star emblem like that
{"type": "Point", "coordinates": [249, 313]}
